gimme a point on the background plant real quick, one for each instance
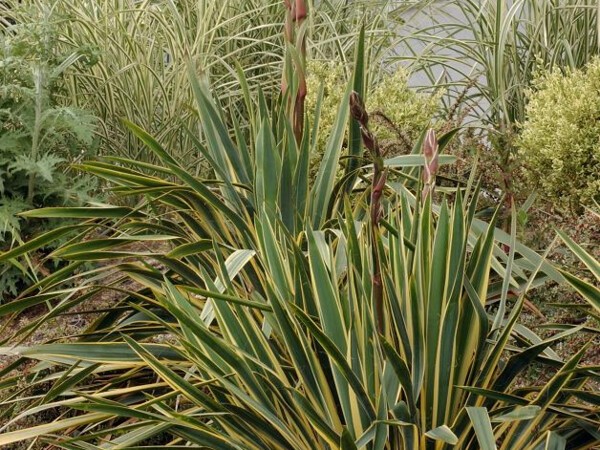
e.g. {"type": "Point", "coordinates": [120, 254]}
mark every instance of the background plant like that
{"type": "Point", "coordinates": [486, 55]}
{"type": "Point", "coordinates": [38, 137]}
{"type": "Point", "coordinates": [559, 143]}
{"type": "Point", "coordinates": [143, 48]}
{"type": "Point", "coordinates": [399, 113]}
{"type": "Point", "coordinates": [496, 49]}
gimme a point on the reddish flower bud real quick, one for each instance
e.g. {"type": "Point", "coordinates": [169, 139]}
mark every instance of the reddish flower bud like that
{"type": "Point", "coordinates": [357, 109]}
{"type": "Point", "coordinates": [300, 13]}
{"type": "Point", "coordinates": [368, 139]}
{"type": "Point", "coordinates": [430, 146]}
{"type": "Point", "coordinates": [430, 151]}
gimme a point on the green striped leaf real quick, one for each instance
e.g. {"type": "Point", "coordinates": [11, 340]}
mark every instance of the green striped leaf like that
{"type": "Point", "coordinates": [483, 428]}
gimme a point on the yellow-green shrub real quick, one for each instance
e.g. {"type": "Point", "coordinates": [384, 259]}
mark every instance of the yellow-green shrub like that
{"type": "Point", "coordinates": [559, 143]}
{"type": "Point", "coordinates": [408, 112]}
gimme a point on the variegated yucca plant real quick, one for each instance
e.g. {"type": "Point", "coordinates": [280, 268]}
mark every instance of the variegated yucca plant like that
{"type": "Point", "coordinates": [245, 305]}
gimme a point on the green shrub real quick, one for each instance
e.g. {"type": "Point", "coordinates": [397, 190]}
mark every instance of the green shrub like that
{"type": "Point", "coordinates": [399, 114]}
{"type": "Point", "coordinates": [38, 137]}
{"type": "Point", "coordinates": [267, 300]}
{"type": "Point", "coordinates": [408, 112]}
{"type": "Point", "coordinates": [560, 139]}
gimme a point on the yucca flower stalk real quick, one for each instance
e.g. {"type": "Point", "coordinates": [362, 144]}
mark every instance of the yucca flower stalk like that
{"type": "Point", "coordinates": [360, 114]}
{"type": "Point", "coordinates": [295, 35]}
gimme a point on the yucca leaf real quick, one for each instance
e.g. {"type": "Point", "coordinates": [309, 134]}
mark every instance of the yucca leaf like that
{"type": "Point", "coordinates": [340, 362]}
{"type": "Point", "coordinates": [300, 180]}
{"type": "Point", "coordinates": [191, 181]}
{"type": "Point", "coordinates": [117, 393]}
{"type": "Point", "coordinates": [181, 385]}
{"type": "Point", "coordinates": [219, 141]}
{"type": "Point", "coordinates": [523, 359]}
{"type": "Point", "coordinates": [109, 352]}
{"type": "Point", "coordinates": [329, 304]}
{"type": "Point", "coordinates": [442, 434]}
{"type": "Point", "coordinates": [588, 291]}
{"type": "Point", "coordinates": [519, 413]}
{"type": "Point", "coordinates": [346, 441]}
{"type": "Point", "coordinates": [52, 427]}
{"type": "Point", "coordinates": [323, 187]}
{"type": "Point", "coordinates": [305, 362]}
{"type": "Point", "coordinates": [483, 428]}
{"type": "Point", "coordinates": [506, 282]}
{"type": "Point", "coordinates": [439, 318]}
{"type": "Point", "coordinates": [115, 409]}
{"type": "Point", "coordinates": [268, 171]}
{"type": "Point", "coordinates": [233, 265]}
{"type": "Point", "coordinates": [192, 248]}
{"type": "Point", "coordinates": [359, 82]}
{"type": "Point", "coordinates": [530, 259]}
{"type": "Point", "coordinates": [27, 302]}
{"type": "Point", "coordinates": [592, 264]}
{"type": "Point", "coordinates": [123, 177]}
{"type": "Point", "coordinates": [40, 241]}
{"type": "Point", "coordinates": [403, 373]}
{"type": "Point", "coordinates": [555, 441]}
{"type": "Point", "coordinates": [481, 317]}
{"type": "Point", "coordinates": [323, 428]}
{"type": "Point", "coordinates": [287, 189]}
{"type": "Point", "coordinates": [104, 212]}
{"type": "Point", "coordinates": [205, 438]}
{"type": "Point", "coordinates": [223, 297]}
{"type": "Point", "coordinates": [70, 378]}
{"type": "Point", "coordinates": [524, 430]}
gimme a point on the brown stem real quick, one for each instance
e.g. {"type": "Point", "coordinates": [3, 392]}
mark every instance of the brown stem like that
{"type": "Point", "coordinates": [430, 151]}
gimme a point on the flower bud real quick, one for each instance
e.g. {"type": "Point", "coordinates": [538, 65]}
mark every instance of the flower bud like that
{"type": "Point", "coordinates": [357, 109]}
{"type": "Point", "coordinates": [300, 13]}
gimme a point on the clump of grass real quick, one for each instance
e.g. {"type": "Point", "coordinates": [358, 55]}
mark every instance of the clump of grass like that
{"type": "Point", "coordinates": [141, 50]}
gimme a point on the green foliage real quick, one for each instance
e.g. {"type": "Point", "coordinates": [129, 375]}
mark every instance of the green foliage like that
{"type": "Point", "coordinates": [142, 49]}
{"type": "Point", "coordinates": [38, 137]}
{"type": "Point", "coordinates": [559, 143]}
{"type": "Point", "coordinates": [487, 53]}
{"type": "Point", "coordinates": [399, 114]}
{"type": "Point", "coordinates": [587, 290]}
{"type": "Point", "coordinates": [265, 294]}
{"type": "Point", "coordinates": [244, 304]}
